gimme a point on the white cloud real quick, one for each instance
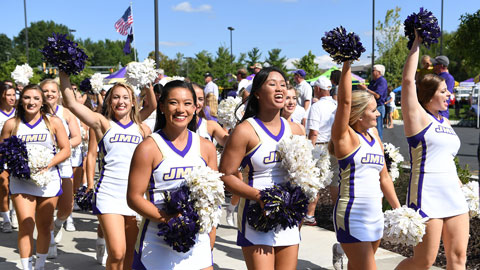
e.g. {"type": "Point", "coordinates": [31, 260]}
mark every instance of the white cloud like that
{"type": "Point", "coordinates": [289, 63]}
{"type": "Point", "coordinates": [187, 7]}
{"type": "Point", "coordinates": [324, 61]}
{"type": "Point", "coordinates": [174, 43]}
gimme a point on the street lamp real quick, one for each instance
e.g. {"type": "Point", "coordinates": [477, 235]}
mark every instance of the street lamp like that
{"type": "Point", "coordinates": [26, 29]}
{"type": "Point", "coordinates": [231, 51]}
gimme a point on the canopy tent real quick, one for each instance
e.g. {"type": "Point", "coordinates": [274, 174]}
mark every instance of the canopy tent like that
{"type": "Point", "coordinates": [468, 80]}
{"type": "Point", "coordinates": [398, 89]}
{"type": "Point", "coordinates": [355, 78]}
{"type": "Point", "coordinates": [117, 76]}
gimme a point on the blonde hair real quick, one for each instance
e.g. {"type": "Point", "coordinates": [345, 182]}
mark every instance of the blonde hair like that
{"type": "Point", "coordinates": [52, 81]}
{"type": "Point", "coordinates": [134, 115]}
{"type": "Point", "coordinates": [212, 103]}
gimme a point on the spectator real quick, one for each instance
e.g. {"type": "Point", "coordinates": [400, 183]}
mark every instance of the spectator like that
{"type": "Point", "coordinates": [303, 88]}
{"type": "Point", "coordinates": [256, 68]}
{"type": "Point", "coordinates": [243, 84]}
{"type": "Point", "coordinates": [334, 79]}
{"type": "Point", "coordinates": [210, 86]}
{"type": "Point", "coordinates": [427, 67]}
{"type": "Point", "coordinates": [211, 106]}
{"type": "Point", "coordinates": [378, 88]}
{"type": "Point", "coordinates": [440, 67]}
{"type": "Point", "coordinates": [390, 107]}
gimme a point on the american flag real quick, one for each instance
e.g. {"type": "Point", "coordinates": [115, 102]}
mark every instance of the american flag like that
{"type": "Point", "coordinates": [124, 23]}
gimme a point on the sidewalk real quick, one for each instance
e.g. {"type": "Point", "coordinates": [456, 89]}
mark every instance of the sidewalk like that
{"type": "Point", "coordinates": [77, 249]}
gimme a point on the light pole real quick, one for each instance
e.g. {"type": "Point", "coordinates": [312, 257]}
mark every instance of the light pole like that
{"type": "Point", "coordinates": [157, 55]}
{"type": "Point", "coordinates": [373, 34]}
{"type": "Point", "coordinates": [26, 29]}
{"type": "Point", "coordinates": [441, 32]}
{"type": "Point", "coordinates": [231, 50]}
{"type": "Point", "coordinates": [187, 60]}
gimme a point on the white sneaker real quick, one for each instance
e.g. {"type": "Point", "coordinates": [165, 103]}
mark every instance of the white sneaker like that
{"type": "Point", "coordinates": [69, 226]}
{"type": "Point", "coordinates": [338, 255]}
{"type": "Point", "coordinates": [101, 258]}
{"type": "Point", "coordinates": [13, 219]}
{"type": "Point", "coordinates": [7, 227]}
{"type": "Point", "coordinates": [76, 207]}
{"type": "Point", "coordinates": [52, 251]}
{"type": "Point", "coordinates": [229, 218]}
{"type": "Point", "coordinates": [57, 233]}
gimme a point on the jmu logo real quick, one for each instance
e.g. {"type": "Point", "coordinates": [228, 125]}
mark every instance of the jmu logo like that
{"type": "Point", "coordinates": [176, 173]}
{"type": "Point", "coordinates": [446, 130]}
{"type": "Point", "coordinates": [373, 159]}
{"type": "Point", "coordinates": [125, 138]}
{"type": "Point", "coordinates": [34, 137]}
{"type": "Point", "coordinates": [273, 157]}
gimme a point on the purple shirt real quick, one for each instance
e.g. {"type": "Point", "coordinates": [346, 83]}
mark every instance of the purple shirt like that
{"type": "Point", "coordinates": [379, 86]}
{"type": "Point", "coordinates": [450, 81]}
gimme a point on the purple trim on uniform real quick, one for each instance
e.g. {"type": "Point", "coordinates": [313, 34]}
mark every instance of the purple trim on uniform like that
{"type": "Point", "coordinates": [34, 125]}
{"type": "Point", "coordinates": [440, 121]}
{"type": "Point", "coordinates": [199, 123]}
{"type": "Point", "coordinates": [345, 237]}
{"type": "Point", "coordinates": [56, 110]}
{"type": "Point", "coordinates": [137, 257]}
{"type": "Point", "coordinates": [369, 143]}
{"type": "Point", "coordinates": [170, 144]}
{"type": "Point", "coordinates": [152, 183]}
{"type": "Point", "coordinates": [8, 114]}
{"type": "Point", "coordinates": [204, 160]}
{"type": "Point", "coordinates": [60, 191]}
{"type": "Point", "coordinates": [291, 120]}
{"type": "Point", "coordinates": [97, 188]}
{"type": "Point", "coordinates": [122, 125]}
{"type": "Point", "coordinates": [275, 137]}
{"type": "Point", "coordinates": [241, 239]}
{"type": "Point", "coordinates": [246, 160]}
{"type": "Point", "coordinates": [413, 141]}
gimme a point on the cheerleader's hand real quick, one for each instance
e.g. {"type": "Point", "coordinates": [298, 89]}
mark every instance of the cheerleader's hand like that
{"type": "Point", "coordinates": [165, 218]}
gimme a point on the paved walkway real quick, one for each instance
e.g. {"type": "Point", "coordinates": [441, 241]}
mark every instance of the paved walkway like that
{"type": "Point", "coordinates": [77, 249]}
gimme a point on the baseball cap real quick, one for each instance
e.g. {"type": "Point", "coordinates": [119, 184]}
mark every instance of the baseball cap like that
{"type": "Point", "coordinates": [300, 72]}
{"type": "Point", "coordinates": [257, 65]}
{"type": "Point", "coordinates": [441, 60]}
{"type": "Point", "coordinates": [208, 74]}
{"type": "Point", "coordinates": [323, 83]}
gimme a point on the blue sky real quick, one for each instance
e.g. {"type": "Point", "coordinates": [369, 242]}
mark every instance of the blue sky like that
{"type": "Point", "coordinates": [295, 26]}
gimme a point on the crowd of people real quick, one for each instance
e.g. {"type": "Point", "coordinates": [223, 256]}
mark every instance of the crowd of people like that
{"type": "Point", "coordinates": [144, 146]}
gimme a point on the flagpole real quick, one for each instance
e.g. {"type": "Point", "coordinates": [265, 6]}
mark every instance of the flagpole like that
{"type": "Point", "coordinates": [133, 33]}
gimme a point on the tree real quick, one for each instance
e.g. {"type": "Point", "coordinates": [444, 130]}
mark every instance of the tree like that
{"type": "Point", "coordinates": [253, 57]}
{"type": "Point", "coordinates": [6, 48]}
{"type": "Point", "coordinates": [307, 63]}
{"type": "Point", "coordinates": [200, 65]}
{"type": "Point", "coordinates": [392, 46]}
{"type": "Point", "coordinates": [275, 60]}
{"type": "Point", "coordinates": [168, 65]}
{"type": "Point", "coordinates": [222, 68]}
{"type": "Point", "coordinates": [106, 52]}
{"type": "Point", "coordinates": [466, 43]}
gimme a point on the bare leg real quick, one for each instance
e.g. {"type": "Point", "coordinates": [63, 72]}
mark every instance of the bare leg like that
{"type": "Point", "coordinates": [361, 255]}
{"type": "Point", "coordinates": [131, 232]}
{"type": "Point", "coordinates": [455, 239]}
{"type": "Point", "coordinates": [44, 218]}
{"type": "Point", "coordinates": [25, 206]}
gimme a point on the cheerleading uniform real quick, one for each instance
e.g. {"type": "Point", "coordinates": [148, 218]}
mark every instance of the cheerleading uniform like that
{"type": "Point", "coordinates": [151, 251]}
{"type": "Point", "coordinates": [115, 153]}
{"type": "Point", "coordinates": [77, 152]}
{"type": "Point", "coordinates": [202, 129]}
{"type": "Point", "coordinates": [434, 186]}
{"type": "Point", "coordinates": [37, 134]}
{"type": "Point", "coordinates": [358, 215]}
{"type": "Point", "coordinates": [65, 167]}
{"type": "Point", "coordinates": [5, 116]}
{"type": "Point", "coordinates": [264, 169]}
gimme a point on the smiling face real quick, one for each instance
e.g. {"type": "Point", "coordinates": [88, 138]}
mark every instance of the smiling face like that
{"type": "Point", "coordinates": [9, 97]}
{"type": "Point", "coordinates": [290, 101]}
{"type": "Point", "coordinates": [369, 116]}
{"type": "Point", "coordinates": [120, 102]}
{"type": "Point", "coordinates": [273, 91]}
{"type": "Point", "coordinates": [200, 98]}
{"type": "Point", "coordinates": [32, 101]}
{"type": "Point", "coordinates": [438, 102]}
{"type": "Point", "coordinates": [178, 108]}
{"type": "Point", "coordinates": [50, 90]}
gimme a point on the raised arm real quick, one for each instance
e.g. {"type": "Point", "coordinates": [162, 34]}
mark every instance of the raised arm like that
{"type": "Point", "coordinates": [151, 103]}
{"type": "Point", "coordinates": [87, 116]}
{"type": "Point", "coordinates": [414, 116]}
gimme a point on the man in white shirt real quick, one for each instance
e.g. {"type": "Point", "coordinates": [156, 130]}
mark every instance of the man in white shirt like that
{"type": "Point", "coordinates": [303, 88]}
{"type": "Point", "coordinates": [210, 86]}
{"type": "Point", "coordinates": [243, 83]}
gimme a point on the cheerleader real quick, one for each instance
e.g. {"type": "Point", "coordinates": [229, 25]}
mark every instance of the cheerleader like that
{"type": "Point", "coordinates": [118, 134]}
{"type": "Point", "coordinates": [35, 205]}
{"type": "Point", "coordinates": [434, 188]}
{"type": "Point", "coordinates": [171, 148]}
{"type": "Point", "coordinates": [364, 179]}
{"type": "Point", "coordinates": [7, 111]}
{"type": "Point", "coordinates": [252, 143]}
{"type": "Point", "coordinates": [65, 201]}
{"type": "Point", "coordinates": [290, 106]}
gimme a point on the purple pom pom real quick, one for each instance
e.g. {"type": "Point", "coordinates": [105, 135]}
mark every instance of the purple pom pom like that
{"type": "Point", "coordinates": [425, 24]}
{"type": "Point", "coordinates": [342, 47]}
{"type": "Point", "coordinates": [64, 54]}
{"type": "Point", "coordinates": [84, 198]}
{"type": "Point", "coordinates": [14, 154]}
{"type": "Point", "coordinates": [86, 85]}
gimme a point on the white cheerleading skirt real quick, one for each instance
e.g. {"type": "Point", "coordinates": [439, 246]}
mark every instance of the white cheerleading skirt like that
{"type": "Point", "coordinates": [152, 252]}
{"type": "Point", "coordinates": [22, 186]}
{"type": "Point", "coordinates": [111, 197]}
{"type": "Point", "coordinates": [65, 169]}
{"type": "Point", "coordinates": [77, 157]}
{"type": "Point", "coordinates": [358, 219]}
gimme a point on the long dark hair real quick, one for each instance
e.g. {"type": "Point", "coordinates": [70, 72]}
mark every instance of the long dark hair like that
{"type": "Point", "coordinates": [161, 121]}
{"type": "Point", "coordinates": [3, 91]}
{"type": "Point", "coordinates": [252, 101]}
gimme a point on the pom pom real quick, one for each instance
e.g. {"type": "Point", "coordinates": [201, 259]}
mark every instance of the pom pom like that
{"type": "Point", "coordinates": [180, 232]}
{"type": "Point", "coordinates": [425, 24]}
{"type": "Point", "coordinates": [22, 74]}
{"type": "Point", "coordinates": [97, 83]}
{"type": "Point", "coordinates": [341, 46]}
{"type": "Point", "coordinates": [404, 226]}
{"type": "Point", "coordinates": [471, 193]}
{"type": "Point", "coordinates": [393, 159]}
{"type": "Point", "coordinates": [140, 74]}
{"type": "Point", "coordinates": [320, 153]}
{"type": "Point", "coordinates": [84, 198]}
{"type": "Point", "coordinates": [226, 112]}
{"type": "Point", "coordinates": [39, 157]}
{"type": "Point", "coordinates": [14, 153]}
{"type": "Point", "coordinates": [85, 85]}
{"type": "Point", "coordinates": [64, 54]}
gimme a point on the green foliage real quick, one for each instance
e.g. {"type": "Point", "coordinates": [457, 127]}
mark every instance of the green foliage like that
{"type": "Point", "coordinates": [253, 57]}
{"type": "Point", "coordinates": [106, 52]}
{"type": "Point", "coordinates": [307, 63]}
{"type": "Point", "coordinates": [6, 48]}
{"type": "Point", "coordinates": [170, 66]}
{"type": "Point", "coordinates": [222, 69]}
{"type": "Point", "coordinates": [275, 60]}
{"type": "Point", "coordinates": [463, 173]}
{"type": "Point", "coordinates": [6, 69]}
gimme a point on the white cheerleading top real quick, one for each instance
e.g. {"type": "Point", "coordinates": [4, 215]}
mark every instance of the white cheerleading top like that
{"type": "Point", "coordinates": [168, 175]}
{"type": "Point", "coordinates": [360, 170]}
{"type": "Point", "coordinates": [4, 117]}
{"type": "Point", "coordinates": [59, 113]}
{"type": "Point", "coordinates": [116, 148]}
{"type": "Point", "coordinates": [202, 129]}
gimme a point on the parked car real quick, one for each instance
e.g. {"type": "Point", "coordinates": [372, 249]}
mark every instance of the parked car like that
{"type": "Point", "coordinates": [462, 94]}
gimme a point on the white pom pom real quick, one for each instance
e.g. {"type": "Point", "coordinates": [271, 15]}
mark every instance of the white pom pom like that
{"type": "Point", "coordinates": [97, 82]}
{"type": "Point", "coordinates": [404, 226]}
{"type": "Point", "coordinates": [226, 111]}
{"type": "Point", "coordinates": [471, 193]}
{"type": "Point", "coordinates": [39, 157]}
{"type": "Point", "coordinates": [141, 74]}
{"type": "Point", "coordinates": [22, 74]}
{"type": "Point", "coordinates": [394, 154]}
